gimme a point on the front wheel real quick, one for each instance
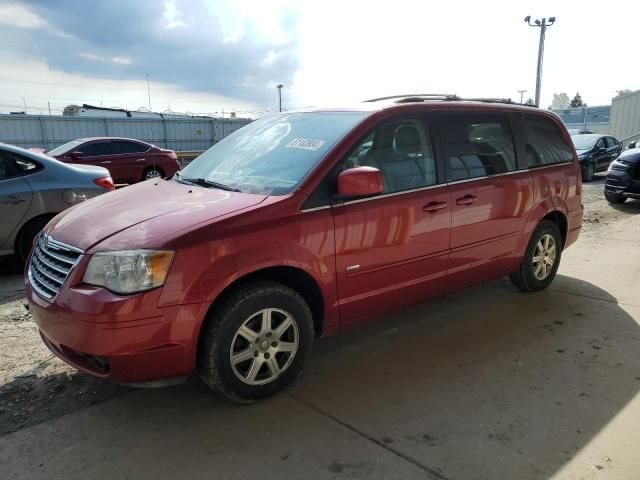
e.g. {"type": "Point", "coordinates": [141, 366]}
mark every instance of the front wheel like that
{"type": "Point", "coordinates": [256, 343]}
{"type": "Point", "coordinates": [541, 258]}
{"type": "Point", "coordinates": [589, 172]}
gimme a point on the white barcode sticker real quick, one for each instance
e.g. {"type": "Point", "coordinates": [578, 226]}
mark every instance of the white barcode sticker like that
{"type": "Point", "coordinates": [306, 143]}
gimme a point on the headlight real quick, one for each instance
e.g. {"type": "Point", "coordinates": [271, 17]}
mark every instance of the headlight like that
{"type": "Point", "coordinates": [129, 271]}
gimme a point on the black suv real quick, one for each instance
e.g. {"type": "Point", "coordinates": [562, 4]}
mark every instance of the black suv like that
{"type": "Point", "coordinates": [623, 176]}
{"type": "Point", "coordinates": [595, 153]}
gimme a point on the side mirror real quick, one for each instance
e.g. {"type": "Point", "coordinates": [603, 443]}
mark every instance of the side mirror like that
{"type": "Point", "coordinates": [633, 144]}
{"type": "Point", "coordinates": [76, 154]}
{"type": "Point", "coordinates": [360, 182]}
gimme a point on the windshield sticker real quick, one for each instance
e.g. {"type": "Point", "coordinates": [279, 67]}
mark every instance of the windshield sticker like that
{"type": "Point", "coordinates": [306, 143]}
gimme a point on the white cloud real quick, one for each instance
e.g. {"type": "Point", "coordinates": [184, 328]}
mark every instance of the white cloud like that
{"type": "Point", "coordinates": [121, 60]}
{"type": "Point", "coordinates": [91, 56]}
{"type": "Point", "coordinates": [16, 15]}
{"type": "Point", "coordinates": [172, 16]}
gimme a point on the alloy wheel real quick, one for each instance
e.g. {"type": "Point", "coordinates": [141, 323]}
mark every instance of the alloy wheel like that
{"type": "Point", "coordinates": [152, 174]}
{"type": "Point", "coordinates": [264, 346]}
{"type": "Point", "coordinates": [544, 256]}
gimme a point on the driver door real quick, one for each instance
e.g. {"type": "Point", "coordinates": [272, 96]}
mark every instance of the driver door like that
{"type": "Point", "coordinates": [392, 249]}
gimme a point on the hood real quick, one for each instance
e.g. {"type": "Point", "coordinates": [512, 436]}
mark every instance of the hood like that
{"type": "Point", "coordinates": [630, 155]}
{"type": "Point", "coordinates": [129, 208]}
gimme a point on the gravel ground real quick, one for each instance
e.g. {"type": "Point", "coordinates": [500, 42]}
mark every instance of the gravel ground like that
{"type": "Point", "coordinates": [36, 386]}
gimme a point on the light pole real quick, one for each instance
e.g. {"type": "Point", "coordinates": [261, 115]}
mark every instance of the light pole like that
{"type": "Point", "coordinates": [521, 92]}
{"type": "Point", "coordinates": [279, 87]}
{"type": "Point", "coordinates": [543, 24]}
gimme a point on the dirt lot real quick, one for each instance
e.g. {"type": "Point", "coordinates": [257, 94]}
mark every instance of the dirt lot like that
{"type": "Point", "coordinates": [35, 386]}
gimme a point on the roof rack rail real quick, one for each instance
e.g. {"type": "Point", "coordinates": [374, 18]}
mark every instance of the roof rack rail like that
{"type": "Point", "coordinates": [434, 96]}
{"type": "Point", "coordinates": [421, 97]}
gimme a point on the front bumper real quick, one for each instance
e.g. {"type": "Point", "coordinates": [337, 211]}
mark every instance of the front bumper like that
{"type": "Point", "coordinates": [622, 182]}
{"type": "Point", "coordinates": [124, 339]}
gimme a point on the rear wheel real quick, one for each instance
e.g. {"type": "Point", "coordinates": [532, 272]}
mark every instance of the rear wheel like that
{"type": "Point", "coordinates": [27, 235]}
{"type": "Point", "coordinates": [152, 173]}
{"type": "Point", "coordinates": [614, 197]}
{"type": "Point", "coordinates": [541, 259]}
{"type": "Point", "coordinates": [256, 343]}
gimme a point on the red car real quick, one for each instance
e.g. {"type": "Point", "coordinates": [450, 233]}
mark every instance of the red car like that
{"type": "Point", "coordinates": [128, 160]}
{"type": "Point", "coordinates": [297, 225]}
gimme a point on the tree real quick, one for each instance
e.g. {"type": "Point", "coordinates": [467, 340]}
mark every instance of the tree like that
{"type": "Point", "coordinates": [577, 101]}
{"type": "Point", "coordinates": [560, 101]}
{"type": "Point", "coordinates": [621, 93]}
{"type": "Point", "coordinates": [529, 102]}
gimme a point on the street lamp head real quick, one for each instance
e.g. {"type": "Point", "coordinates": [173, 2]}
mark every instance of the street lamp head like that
{"type": "Point", "coordinates": [551, 20]}
{"type": "Point", "coordinates": [527, 19]}
{"type": "Point", "coordinates": [537, 22]}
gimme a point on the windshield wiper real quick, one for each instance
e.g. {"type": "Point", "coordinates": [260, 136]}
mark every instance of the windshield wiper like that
{"type": "Point", "coordinates": [203, 182]}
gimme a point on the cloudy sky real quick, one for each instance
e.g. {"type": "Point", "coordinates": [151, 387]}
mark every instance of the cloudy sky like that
{"type": "Point", "coordinates": [206, 56]}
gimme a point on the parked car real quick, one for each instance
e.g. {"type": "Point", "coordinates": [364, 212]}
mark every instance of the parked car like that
{"type": "Point", "coordinates": [623, 177]}
{"type": "Point", "coordinates": [595, 153]}
{"type": "Point", "coordinates": [633, 144]}
{"type": "Point", "coordinates": [297, 225]}
{"type": "Point", "coordinates": [34, 188]}
{"type": "Point", "coordinates": [128, 160]}
{"type": "Point", "coordinates": [578, 131]}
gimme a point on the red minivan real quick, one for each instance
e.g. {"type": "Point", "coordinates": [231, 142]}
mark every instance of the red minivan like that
{"type": "Point", "coordinates": [128, 160]}
{"type": "Point", "coordinates": [297, 225]}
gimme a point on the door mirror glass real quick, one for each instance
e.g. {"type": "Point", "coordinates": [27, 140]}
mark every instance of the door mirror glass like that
{"type": "Point", "coordinates": [360, 182]}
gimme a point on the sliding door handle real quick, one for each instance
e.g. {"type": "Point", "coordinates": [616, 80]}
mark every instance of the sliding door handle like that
{"type": "Point", "coordinates": [434, 206]}
{"type": "Point", "coordinates": [466, 200]}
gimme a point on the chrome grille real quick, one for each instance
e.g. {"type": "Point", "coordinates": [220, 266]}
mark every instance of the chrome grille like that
{"type": "Point", "coordinates": [50, 265]}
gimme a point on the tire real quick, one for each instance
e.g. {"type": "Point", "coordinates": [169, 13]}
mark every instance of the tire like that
{"type": "Point", "coordinates": [226, 332]}
{"type": "Point", "coordinates": [24, 242]}
{"type": "Point", "coordinates": [614, 197]}
{"type": "Point", "coordinates": [530, 278]}
{"type": "Point", "coordinates": [152, 173]}
{"type": "Point", "coordinates": [589, 173]}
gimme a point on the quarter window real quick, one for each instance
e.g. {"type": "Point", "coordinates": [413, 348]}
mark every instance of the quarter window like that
{"type": "Point", "coordinates": [478, 145]}
{"type": "Point", "coordinates": [544, 142]}
{"type": "Point", "coordinates": [402, 151]}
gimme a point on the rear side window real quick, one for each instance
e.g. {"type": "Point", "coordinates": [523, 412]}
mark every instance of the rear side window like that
{"type": "Point", "coordinates": [544, 142]}
{"type": "Point", "coordinates": [96, 149]}
{"type": "Point", "coordinates": [122, 147]}
{"type": "Point", "coordinates": [478, 145]}
{"type": "Point", "coordinates": [13, 165]}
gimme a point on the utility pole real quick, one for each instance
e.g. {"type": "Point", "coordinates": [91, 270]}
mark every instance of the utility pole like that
{"type": "Point", "coordinates": [543, 24]}
{"type": "Point", "coordinates": [279, 87]}
{"type": "Point", "coordinates": [148, 92]}
{"type": "Point", "coordinates": [521, 92]}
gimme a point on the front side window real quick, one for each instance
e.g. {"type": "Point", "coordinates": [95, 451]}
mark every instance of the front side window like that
{"type": "Point", "coordinates": [478, 145]}
{"type": "Point", "coordinates": [272, 155]}
{"type": "Point", "coordinates": [96, 149]}
{"type": "Point", "coordinates": [611, 142]}
{"type": "Point", "coordinates": [402, 151]}
{"type": "Point", "coordinates": [545, 144]}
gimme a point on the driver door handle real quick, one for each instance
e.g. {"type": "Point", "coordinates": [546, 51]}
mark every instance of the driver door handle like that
{"type": "Point", "coordinates": [105, 162]}
{"type": "Point", "coordinates": [434, 206]}
{"type": "Point", "coordinates": [466, 200]}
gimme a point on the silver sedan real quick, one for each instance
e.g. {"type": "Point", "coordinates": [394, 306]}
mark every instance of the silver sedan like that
{"type": "Point", "coordinates": [34, 188]}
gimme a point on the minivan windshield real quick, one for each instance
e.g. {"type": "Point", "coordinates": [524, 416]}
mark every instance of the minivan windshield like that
{"type": "Point", "coordinates": [582, 142]}
{"type": "Point", "coordinates": [271, 155]}
{"type": "Point", "coordinates": [62, 149]}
